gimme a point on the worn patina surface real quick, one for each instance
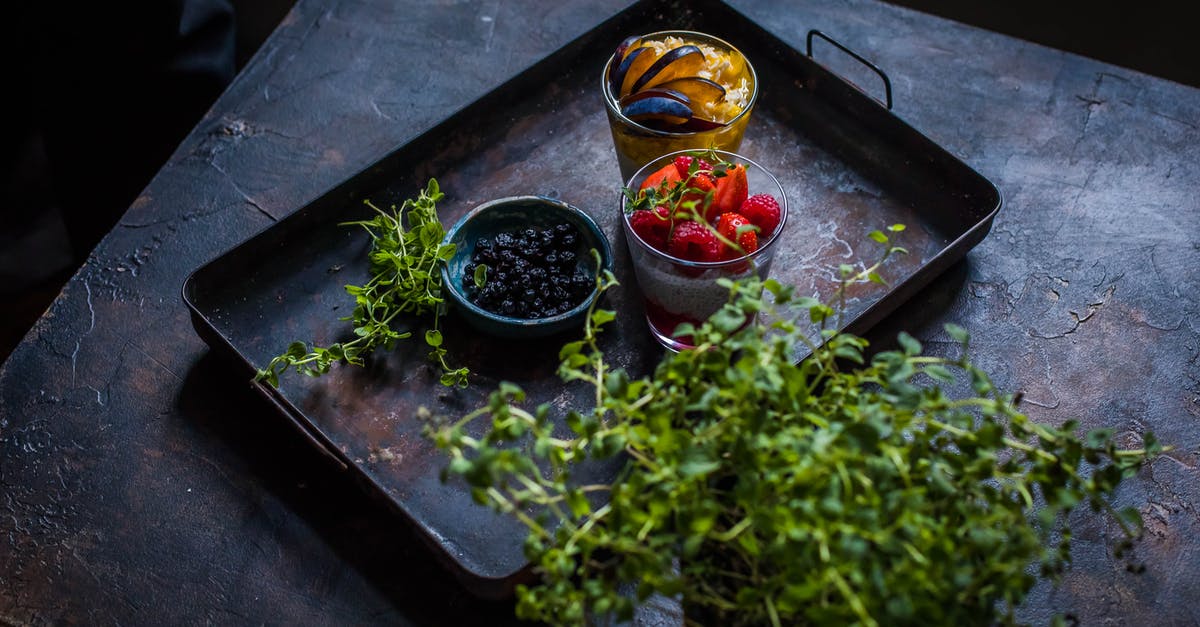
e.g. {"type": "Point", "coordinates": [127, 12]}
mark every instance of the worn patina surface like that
{"type": "Point", "coordinates": [141, 480]}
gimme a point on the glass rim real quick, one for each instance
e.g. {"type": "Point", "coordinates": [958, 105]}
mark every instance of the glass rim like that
{"type": "Point", "coordinates": [783, 213]}
{"type": "Point", "coordinates": [614, 108]}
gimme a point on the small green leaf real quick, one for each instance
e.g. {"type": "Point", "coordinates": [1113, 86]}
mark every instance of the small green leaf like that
{"type": "Point", "coordinates": [697, 462]}
{"type": "Point", "coordinates": [956, 332]}
{"type": "Point", "coordinates": [910, 344]}
{"type": "Point", "coordinates": [939, 373]}
{"type": "Point", "coordinates": [578, 503]}
{"type": "Point", "coordinates": [600, 317]}
{"type": "Point", "coordinates": [481, 272]}
{"type": "Point", "coordinates": [820, 313]}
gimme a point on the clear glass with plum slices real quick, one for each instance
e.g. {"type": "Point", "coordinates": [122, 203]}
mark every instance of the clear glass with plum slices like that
{"type": "Point", "coordinates": [691, 218]}
{"type": "Point", "coordinates": [676, 90]}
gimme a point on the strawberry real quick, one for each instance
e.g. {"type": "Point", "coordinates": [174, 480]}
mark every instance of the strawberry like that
{"type": "Point", "coordinates": [731, 191]}
{"type": "Point", "coordinates": [728, 226]}
{"type": "Point", "coordinates": [652, 226]}
{"type": "Point", "coordinates": [702, 185]}
{"type": "Point", "coordinates": [763, 211]}
{"type": "Point", "coordinates": [694, 242]}
{"type": "Point", "coordinates": [683, 163]}
{"type": "Point", "coordinates": [667, 174]}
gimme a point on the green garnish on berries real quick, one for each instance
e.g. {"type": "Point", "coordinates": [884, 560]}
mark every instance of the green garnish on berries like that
{"type": "Point", "coordinates": [407, 251]}
{"type": "Point", "coordinates": [694, 193]}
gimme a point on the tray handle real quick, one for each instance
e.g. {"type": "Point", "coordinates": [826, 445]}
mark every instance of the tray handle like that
{"type": "Point", "coordinates": [887, 83]}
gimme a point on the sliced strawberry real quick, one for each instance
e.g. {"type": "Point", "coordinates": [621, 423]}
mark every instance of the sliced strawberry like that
{"type": "Point", "coordinates": [731, 190]}
{"type": "Point", "coordinates": [694, 242]}
{"type": "Point", "coordinates": [736, 228]}
{"type": "Point", "coordinates": [652, 226]}
{"type": "Point", "coordinates": [700, 185]}
{"type": "Point", "coordinates": [666, 174]}
{"type": "Point", "coordinates": [763, 211]}
{"type": "Point", "coordinates": [683, 163]}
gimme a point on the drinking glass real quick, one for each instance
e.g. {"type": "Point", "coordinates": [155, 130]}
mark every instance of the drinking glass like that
{"type": "Point", "coordinates": [636, 144]}
{"type": "Point", "coordinates": [675, 290]}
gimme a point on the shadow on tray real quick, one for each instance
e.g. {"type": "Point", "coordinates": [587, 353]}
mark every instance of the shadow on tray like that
{"type": "Point", "coordinates": [369, 537]}
{"type": "Point", "coordinates": [917, 315]}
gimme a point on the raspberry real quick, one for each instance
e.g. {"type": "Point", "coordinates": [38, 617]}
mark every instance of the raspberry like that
{"type": "Point", "coordinates": [652, 226]}
{"type": "Point", "coordinates": [684, 162]}
{"type": "Point", "coordinates": [763, 211]}
{"type": "Point", "coordinates": [728, 226]}
{"type": "Point", "coordinates": [694, 242]}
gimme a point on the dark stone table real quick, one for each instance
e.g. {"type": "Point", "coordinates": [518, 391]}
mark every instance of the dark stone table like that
{"type": "Point", "coordinates": [142, 482]}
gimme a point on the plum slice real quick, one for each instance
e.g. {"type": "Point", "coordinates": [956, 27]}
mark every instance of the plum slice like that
{"type": "Point", "coordinates": [617, 67]}
{"type": "Point", "coordinates": [659, 109]}
{"type": "Point", "coordinates": [695, 124]}
{"type": "Point", "coordinates": [625, 47]}
{"type": "Point", "coordinates": [631, 66]}
{"type": "Point", "coordinates": [657, 92]}
{"type": "Point", "coordinates": [696, 88]}
{"type": "Point", "coordinates": [640, 59]}
{"type": "Point", "coordinates": [675, 63]}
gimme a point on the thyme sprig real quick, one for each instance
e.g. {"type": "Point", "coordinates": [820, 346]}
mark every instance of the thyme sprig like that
{"type": "Point", "coordinates": [761, 490]}
{"type": "Point", "coordinates": [407, 251]}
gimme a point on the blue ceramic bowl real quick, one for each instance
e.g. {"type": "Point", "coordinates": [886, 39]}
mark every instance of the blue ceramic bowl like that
{"type": "Point", "coordinates": [512, 214]}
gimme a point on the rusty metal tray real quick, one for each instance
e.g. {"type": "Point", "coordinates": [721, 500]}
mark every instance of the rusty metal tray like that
{"type": "Point", "coordinates": [846, 162]}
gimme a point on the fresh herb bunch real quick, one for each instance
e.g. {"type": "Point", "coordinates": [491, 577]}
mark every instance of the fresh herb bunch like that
{"type": "Point", "coordinates": [406, 253]}
{"type": "Point", "coordinates": [759, 490]}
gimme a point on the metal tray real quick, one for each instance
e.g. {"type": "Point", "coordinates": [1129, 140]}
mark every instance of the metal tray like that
{"type": "Point", "coordinates": [847, 164]}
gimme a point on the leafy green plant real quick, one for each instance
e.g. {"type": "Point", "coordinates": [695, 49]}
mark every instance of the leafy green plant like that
{"type": "Point", "coordinates": [405, 257]}
{"type": "Point", "coordinates": [759, 490]}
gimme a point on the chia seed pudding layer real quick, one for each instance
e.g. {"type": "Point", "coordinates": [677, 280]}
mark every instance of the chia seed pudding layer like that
{"type": "Point", "coordinates": [677, 289]}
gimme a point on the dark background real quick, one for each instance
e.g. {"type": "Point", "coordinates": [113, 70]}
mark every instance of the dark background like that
{"type": "Point", "coordinates": [101, 96]}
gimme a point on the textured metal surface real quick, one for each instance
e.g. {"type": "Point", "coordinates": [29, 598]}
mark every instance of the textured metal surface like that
{"type": "Point", "coordinates": [141, 481]}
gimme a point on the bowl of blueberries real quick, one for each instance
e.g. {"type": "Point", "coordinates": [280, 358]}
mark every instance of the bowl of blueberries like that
{"type": "Point", "coordinates": [523, 266]}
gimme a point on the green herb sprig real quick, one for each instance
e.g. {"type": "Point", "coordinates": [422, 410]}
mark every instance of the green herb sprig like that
{"type": "Point", "coordinates": [405, 257]}
{"type": "Point", "coordinates": [759, 490]}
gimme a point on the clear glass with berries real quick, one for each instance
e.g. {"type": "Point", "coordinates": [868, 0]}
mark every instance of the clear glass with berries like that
{"type": "Point", "coordinates": [691, 218]}
{"type": "Point", "coordinates": [676, 90]}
